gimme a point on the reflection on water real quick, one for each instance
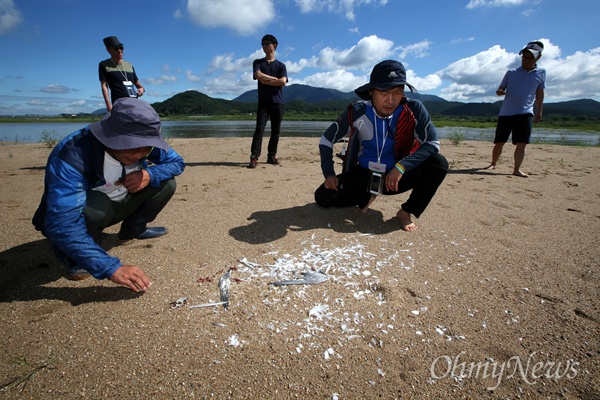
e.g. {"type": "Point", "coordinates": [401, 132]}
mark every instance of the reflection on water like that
{"type": "Point", "coordinates": [31, 132]}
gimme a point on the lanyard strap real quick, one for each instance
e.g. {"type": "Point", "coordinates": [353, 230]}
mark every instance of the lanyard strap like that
{"type": "Point", "coordinates": [380, 152]}
{"type": "Point", "coordinates": [124, 72]}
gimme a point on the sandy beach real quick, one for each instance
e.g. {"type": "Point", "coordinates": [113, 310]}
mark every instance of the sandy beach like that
{"type": "Point", "coordinates": [496, 295]}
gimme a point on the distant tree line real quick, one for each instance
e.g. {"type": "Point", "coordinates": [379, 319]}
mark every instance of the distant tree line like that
{"type": "Point", "coordinates": [196, 103]}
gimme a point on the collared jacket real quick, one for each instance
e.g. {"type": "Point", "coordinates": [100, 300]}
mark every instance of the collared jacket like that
{"type": "Point", "coordinates": [415, 136]}
{"type": "Point", "coordinates": [75, 166]}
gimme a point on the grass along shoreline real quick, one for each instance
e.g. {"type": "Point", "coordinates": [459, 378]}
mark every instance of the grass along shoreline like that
{"type": "Point", "coordinates": [571, 124]}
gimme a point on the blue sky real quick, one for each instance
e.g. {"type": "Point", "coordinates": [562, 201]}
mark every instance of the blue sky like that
{"type": "Point", "coordinates": [456, 49]}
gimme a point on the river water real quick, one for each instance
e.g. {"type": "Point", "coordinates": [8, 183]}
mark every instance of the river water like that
{"type": "Point", "coordinates": [34, 132]}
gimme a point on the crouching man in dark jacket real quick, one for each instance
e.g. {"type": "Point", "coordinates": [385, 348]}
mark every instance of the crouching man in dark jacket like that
{"type": "Point", "coordinates": [393, 148]}
{"type": "Point", "coordinates": [99, 176]}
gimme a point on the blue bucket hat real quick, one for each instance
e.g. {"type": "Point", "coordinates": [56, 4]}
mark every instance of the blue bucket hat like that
{"type": "Point", "coordinates": [131, 124]}
{"type": "Point", "coordinates": [385, 75]}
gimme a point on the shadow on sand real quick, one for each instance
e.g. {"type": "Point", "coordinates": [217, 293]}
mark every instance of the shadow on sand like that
{"type": "Point", "coordinates": [216, 164]}
{"type": "Point", "coordinates": [475, 171]}
{"type": "Point", "coordinates": [27, 270]}
{"type": "Point", "coordinates": [268, 226]}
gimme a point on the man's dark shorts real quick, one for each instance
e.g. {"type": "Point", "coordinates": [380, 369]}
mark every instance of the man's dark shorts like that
{"type": "Point", "coordinates": [519, 125]}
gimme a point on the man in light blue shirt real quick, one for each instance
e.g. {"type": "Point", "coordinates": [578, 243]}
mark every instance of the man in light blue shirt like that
{"type": "Point", "coordinates": [524, 89]}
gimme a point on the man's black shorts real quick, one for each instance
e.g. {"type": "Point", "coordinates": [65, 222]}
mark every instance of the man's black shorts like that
{"type": "Point", "coordinates": [519, 125]}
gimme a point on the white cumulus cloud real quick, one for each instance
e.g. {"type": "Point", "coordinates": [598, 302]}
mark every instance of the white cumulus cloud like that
{"type": "Point", "coordinates": [344, 7]}
{"type": "Point", "coordinates": [482, 68]}
{"type": "Point", "coordinates": [575, 76]}
{"type": "Point", "coordinates": [162, 80]}
{"type": "Point", "coordinates": [418, 50]}
{"type": "Point", "coordinates": [424, 84]}
{"type": "Point", "coordinates": [191, 77]}
{"type": "Point", "coordinates": [227, 62]}
{"type": "Point", "coordinates": [364, 54]}
{"type": "Point", "coordinates": [10, 16]}
{"type": "Point", "coordinates": [229, 88]}
{"type": "Point", "coordinates": [244, 17]}
{"type": "Point", "coordinates": [476, 78]}
{"type": "Point", "coordinates": [55, 89]}
{"type": "Point", "coordinates": [495, 3]}
{"type": "Point", "coordinates": [339, 79]}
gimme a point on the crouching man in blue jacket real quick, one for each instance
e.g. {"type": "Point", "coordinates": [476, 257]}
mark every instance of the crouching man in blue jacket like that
{"type": "Point", "coordinates": [99, 176]}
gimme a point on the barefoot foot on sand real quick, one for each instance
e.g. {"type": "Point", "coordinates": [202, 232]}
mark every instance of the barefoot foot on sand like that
{"type": "Point", "coordinates": [491, 166]}
{"type": "Point", "coordinates": [405, 221]}
{"type": "Point", "coordinates": [521, 174]}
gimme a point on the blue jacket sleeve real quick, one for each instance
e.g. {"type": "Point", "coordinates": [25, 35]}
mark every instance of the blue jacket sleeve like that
{"type": "Point", "coordinates": [165, 165]}
{"type": "Point", "coordinates": [65, 222]}
{"type": "Point", "coordinates": [425, 134]}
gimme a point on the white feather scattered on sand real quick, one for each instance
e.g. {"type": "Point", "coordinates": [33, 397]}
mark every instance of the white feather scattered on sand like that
{"type": "Point", "coordinates": [353, 275]}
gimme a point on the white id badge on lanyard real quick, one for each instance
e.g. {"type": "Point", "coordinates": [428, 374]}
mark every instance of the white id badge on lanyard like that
{"type": "Point", "coordinates": [377, 167]}
{"type": "Point", "coordinates": [130, 88]}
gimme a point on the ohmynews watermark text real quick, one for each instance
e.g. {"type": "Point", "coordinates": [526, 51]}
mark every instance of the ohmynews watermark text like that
{"type": "Point", "coordinates": [529, 371]}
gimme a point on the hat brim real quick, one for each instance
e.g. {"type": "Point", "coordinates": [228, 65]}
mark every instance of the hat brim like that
{"type": "Point", "coordinates": [533, 52]}
{"type": "Point", "coordinates": [124, 140]}
{"type": "Point", "coordinates": [363, 91]}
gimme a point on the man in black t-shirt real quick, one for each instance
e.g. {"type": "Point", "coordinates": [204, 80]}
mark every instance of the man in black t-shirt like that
{"type": "Point", "coordinates": [271, 75]}
{"type": "Point", "coordinates": [117, 74]}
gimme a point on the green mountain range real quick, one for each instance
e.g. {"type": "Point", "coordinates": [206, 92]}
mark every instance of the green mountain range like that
{"type": "Point", "coordinates": [304, 99]}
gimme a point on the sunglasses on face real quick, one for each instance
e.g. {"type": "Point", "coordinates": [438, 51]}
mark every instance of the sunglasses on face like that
{"type": "Point", "coordinates": [117, 48]}
{"type": "Point", "coordinates": [266, 43]}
